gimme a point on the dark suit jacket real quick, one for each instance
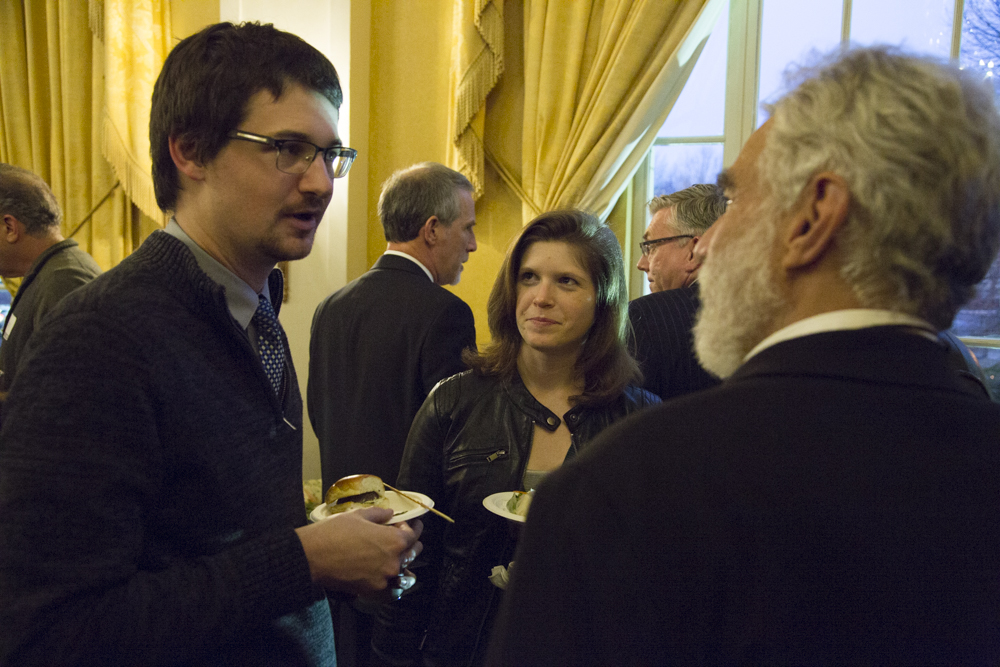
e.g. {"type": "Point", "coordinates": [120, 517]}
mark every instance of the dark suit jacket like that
{"type": "Point", "coordinates": [378, 346]}
{"type": "Point", "coordinates": [662, 343]}
{"type": "Point", "coordinates": [55, 273]}
{"type": "Point", "coordinates": [834, 502]}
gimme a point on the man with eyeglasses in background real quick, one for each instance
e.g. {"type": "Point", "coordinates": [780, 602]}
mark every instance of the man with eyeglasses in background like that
{"type": "Point", "coordinates": [151, 506]}
{"type": "Point", "coordinates": [662, 321]}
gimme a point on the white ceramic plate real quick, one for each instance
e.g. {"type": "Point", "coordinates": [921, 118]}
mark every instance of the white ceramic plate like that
{"type": "Point", "coordinates": [404, 509]}
{"type": "Point", "coordinates": [497, 503]}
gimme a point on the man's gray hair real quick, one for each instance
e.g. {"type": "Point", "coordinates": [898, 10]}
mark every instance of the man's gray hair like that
{"type": "Point", "coordinates": [695, 208]}
{"type": "Point", "coordinates": [27, 197]}
{"type": "Point", "coordinates": [412, 195]}
{"type": "Point", "coordinates": [918, 143]}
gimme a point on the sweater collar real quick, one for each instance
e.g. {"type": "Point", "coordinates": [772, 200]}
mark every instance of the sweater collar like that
{"type": "Point", "coordinates": [241, 299]}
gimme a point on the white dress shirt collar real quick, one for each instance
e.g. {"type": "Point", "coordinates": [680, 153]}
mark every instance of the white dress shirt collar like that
{"type": "Point", "coordinates": [844, 320]}
{"type": "Point", "coordinates": [241, 299]}
{"type": "Point", "coordinates": [412, 259]}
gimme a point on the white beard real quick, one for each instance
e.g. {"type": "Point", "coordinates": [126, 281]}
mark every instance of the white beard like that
{"type": "Point", "coordinates": [739, 299]}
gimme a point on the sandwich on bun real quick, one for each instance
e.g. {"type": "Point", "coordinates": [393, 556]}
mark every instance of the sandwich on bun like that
{"type": "Point", "coordinates": [356, 492]}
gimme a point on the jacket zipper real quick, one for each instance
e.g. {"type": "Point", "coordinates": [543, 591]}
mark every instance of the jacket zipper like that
{"type": "Point", "coordinates": [465, 459]}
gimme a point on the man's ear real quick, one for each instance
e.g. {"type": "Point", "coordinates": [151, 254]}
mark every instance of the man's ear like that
{"type": "Point", "coordinates": [185, 157]}
{"type": "Point", "coordinates": [430, 232]}
{"type": "Point", "coordinates": [821, 213]}
{"type": "Point", "coordinates": [11, 229]}
{"type": "Point", "coordinates": [693, 259]}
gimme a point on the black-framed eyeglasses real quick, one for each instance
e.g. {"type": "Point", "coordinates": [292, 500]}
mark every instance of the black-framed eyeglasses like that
{"type": "Point", "coordinates": [647, 246]}
{"type": "Point", "coordinates": [295, 155]}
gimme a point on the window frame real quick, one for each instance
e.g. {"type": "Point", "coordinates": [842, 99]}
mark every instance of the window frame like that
{"type": "Point", "coordinates": [740, 118]}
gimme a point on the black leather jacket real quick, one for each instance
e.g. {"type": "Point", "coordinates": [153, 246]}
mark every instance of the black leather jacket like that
{"type": "Point", "coordinates": [471, 438]}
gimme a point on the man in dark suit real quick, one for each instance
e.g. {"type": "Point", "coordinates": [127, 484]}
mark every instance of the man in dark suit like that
{"type": "Point", "coordinates": [381, 343]}
{"type": "Point", "coordinates": [662, 321]}
{"type": "Point", "coordinates": [834, 500]}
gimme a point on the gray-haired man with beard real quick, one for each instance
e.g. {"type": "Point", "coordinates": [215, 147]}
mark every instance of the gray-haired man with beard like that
{"type": "Point", "coordinates": [834, 500]}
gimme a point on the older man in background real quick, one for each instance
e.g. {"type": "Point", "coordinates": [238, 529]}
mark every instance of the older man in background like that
{"type": "Point", "coordinates": [32, 246]}
{"type": "Point", "coordinates": [662, 321]}
{"type": "Point", "coordinates": [381, 343]}
{"type": "Point", "coordinates": [678, 223]}
{"type": "Point", "coordinates": [834, 500]}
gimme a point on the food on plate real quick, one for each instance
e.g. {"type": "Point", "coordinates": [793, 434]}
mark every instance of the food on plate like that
{"type": "Point", "coordinates": [519, 501]}
{"type": "Point", "coordinates": [312, 493]}
{"type": "Point", "coordinates": [356, 492]}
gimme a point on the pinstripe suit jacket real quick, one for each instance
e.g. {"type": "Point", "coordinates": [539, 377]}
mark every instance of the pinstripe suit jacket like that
{"type": "Point", "coordinates": [662, 343]}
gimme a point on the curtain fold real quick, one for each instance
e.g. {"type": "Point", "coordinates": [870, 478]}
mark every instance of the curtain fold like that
{"type": "Point", "coordinates": [135, 35]}
{"type": "Point", "coordinates": [52, 78]}
{"type": "Point", "coordinates": [477, 63]}
{"type": "Point", "coordinates": [600, 79]}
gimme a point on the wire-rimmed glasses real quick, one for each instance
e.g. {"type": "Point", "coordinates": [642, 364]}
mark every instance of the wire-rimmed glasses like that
{"type": "Point", "coordinates": [295, 155]}
{"type": "Point", "coordinates": [647, 246]}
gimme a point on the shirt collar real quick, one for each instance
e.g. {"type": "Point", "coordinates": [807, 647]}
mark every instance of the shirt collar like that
{"type": "Point", "coordinates": [412, 259]}
{"type": "Point", "coordinates": [240, 297]}
{"type": "Point", "coordinates": [844, 320]}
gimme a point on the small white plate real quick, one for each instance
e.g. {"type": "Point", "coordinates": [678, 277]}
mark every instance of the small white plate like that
{"type": "Point", "coordinates": [404, 509]}
{"type": "Point", "coordinates": [497, 503]}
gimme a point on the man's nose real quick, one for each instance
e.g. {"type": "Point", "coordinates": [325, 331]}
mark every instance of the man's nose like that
{"type": "Point", "coordinates": [643, 264]}
{"type": "Point", "coordinates": [316, 179]}
{"type": "Point", "coordinates": [472, 243]}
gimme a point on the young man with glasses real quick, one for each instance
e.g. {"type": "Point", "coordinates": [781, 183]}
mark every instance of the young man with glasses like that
{"type": "Point", "coordinates": [151, 507]}
{"type": "Point", "coordinates": [662, 321]}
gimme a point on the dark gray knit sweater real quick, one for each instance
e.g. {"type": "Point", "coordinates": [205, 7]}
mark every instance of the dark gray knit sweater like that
{"type": "Point", "coordinates": [150, 484]}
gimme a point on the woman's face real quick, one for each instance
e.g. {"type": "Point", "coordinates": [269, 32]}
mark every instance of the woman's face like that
{"type": "Point", "coordinates": [555, 298]}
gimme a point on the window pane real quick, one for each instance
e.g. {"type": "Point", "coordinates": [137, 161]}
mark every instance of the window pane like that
{"type": "Point", "coordinates": [989, 359]}
{"type": "Point", "coordinates": [678, 166]}
{"type": "Point", "coordinates": [700, 108]}
{"type": "Point", "coordinates": [790, 31]}
{"type": "Point", "coordinates": [981, 53]}
{"type": "Point", "coordinates": [923, 26]}
{"type": "Point", "coordinates": [981, 40]}
{"type": "Point", "coordinates": [981, 316]}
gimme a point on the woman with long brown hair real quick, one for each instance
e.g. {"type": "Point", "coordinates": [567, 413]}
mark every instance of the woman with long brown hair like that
{"type": "Point", "coordinates": [556, 373]}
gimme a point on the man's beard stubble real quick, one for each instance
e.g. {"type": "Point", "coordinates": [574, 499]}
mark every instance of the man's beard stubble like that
{"type": "Point", "coordinates": [739, 298]}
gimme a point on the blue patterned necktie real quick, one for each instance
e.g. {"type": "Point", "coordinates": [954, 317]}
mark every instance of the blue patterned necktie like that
{"type": "Point", "coordinates": [269, 342]}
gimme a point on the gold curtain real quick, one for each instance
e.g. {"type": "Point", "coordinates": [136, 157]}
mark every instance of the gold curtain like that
{"type": "Point", "coordinates": [135, 37]}
{"type": "Point", "coordinates": [477, 63]}
{"type": "Point", "coordinates": [599, 72]}
{"type": "Point", "coordinates": [51, 109]}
